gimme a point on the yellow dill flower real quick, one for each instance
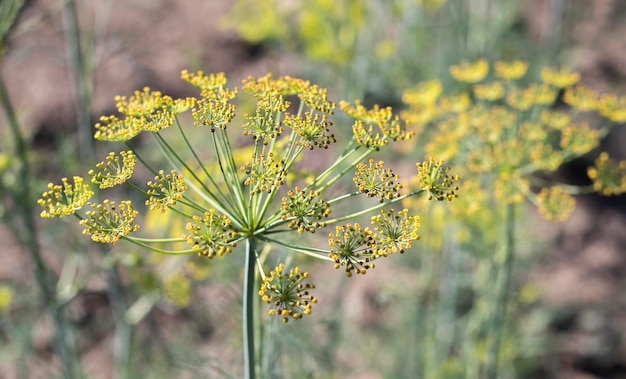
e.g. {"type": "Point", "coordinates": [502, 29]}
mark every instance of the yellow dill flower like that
{"type": "Point", "coordinates": [314, 131]}
{"type": "Point", "coordinates": [108, 222]}
{"type": "Point", "coordinates": [262, 126]}
{"type": "Point", "coordinates": [204, 82]}
{"type": "Point", "coordinates": [581, 97]}
{"type": "Point", "coordinates": [64, 199]}
{"type": "Point", "coordinates": [562, 78]}
{"type": "Point", "coordinates": [554, 204]}
{"type": "Point", "coordinates": [490, 91]}
{"type": "Point", "coordinates": [214, 109]}
{"type": "Point", "coordinates": [541, 94]}
{"type": "Point", "coordinates": [367, 137]}
{"type": "Point", "coordinates": [579, 138]}
{"type": "Point", "coordinates": [543, 156]}
{"type": "Point", "coordinates": [305, 213]}
{"type": "Point", "coordinates": [433, 176]}
{"type": "Point", "coordinates": [470, 72]}
{"type": "Point", "coordinates": [111, 128]}
{"type": "Point", "coordinates": [374, 180]}
{"type": "Point", "coordinates": [424, 93]}
{"type": "Point", "coordinates": [211, 235]}
{"type": "Point", "coordinates": [288, 293]}
{"type": "Point", "coordinates": [555, 119]}
{"type": "Point", "coordinates": [265, 174]}
{"type": "Point", "coordinates": [613, 107]}
{"type": "Point", "coordinates": [352, 248]}
{"type": "Point", "coordinates": [394, 232]}
{"type": "Point", "coordinates": [519, 99]}
{"type": "Point", "coordinates": [316, 98]}
{"type": "Point", "coordinates": [532, 131]}
{"type": "Point", "coordinates": [112, 172]}
{"type": "Point", "coordinates": [608, 176]}
{"type": "Point", "coordinates": [455, 103]}
{"type": "Point", "coordinates": [510, 70]}
{"type": "Point", "coordinates": [165, 190]}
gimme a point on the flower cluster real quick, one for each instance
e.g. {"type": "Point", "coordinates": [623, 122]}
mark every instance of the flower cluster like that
{"type": "Point", "coordinates": [305, 210]}
{"type": "Point", "coordinates": [166, 190]}
{"type": "Point", "coordinates": [287, 293]}
{"type": "Point", "coordinates": [211, 235]}
{"type": "Point", "coordinates": [66, 199]}
{"type": "Point", "coordinates": [112, 172]}
{"type": "Point", "coordinates": [508, 135]}
{"type": "Point", "coordinates": [108, 222]}
{"type": "Point", "coordinates": [228, 194]}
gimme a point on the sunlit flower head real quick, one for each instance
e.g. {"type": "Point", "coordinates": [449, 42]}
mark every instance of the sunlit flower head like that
{"type": "Point", "coordinates": [165, 190]}
{"type": "Point", "coordinates": [112, 171]}
{"type": "Point", "coordinates": [375, 181]}
{"type": "Point", "coordinates": [562, 78]}
{"type": "Point", "coordinates": [581, 97]}
{"type": "Point", "coordinates": [352, 247]}
{"type": "Point", "coordinates": [470, 72]}
{"type": "Point", "coordinates": [108, 222]}
{"type": "Point", "coordinates": [395, 231]}
{"type": "Point", "coordinates": [613, 107]}
{"type": "Point", "coordinates": [265, 174]}
{"type": "Point", "coordinates": [287, 293]}
{"type": "Point", "coordinates": [305, 210]}
{"type": "Point", "coordinates": [211, 234]}
{"type": "Point", "coordinates": [554, 204]}
{"type": "Point", "coordinates": [608, 175]}
{"type": "Point", "coordinates": [64, 199]}
{"type": "Point", "coordinates": [510, 70]}
{"type": "Point", "coordinates": [433, 176]}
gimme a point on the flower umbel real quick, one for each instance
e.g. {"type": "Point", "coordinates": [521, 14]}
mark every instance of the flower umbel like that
{"type": "Point", "coordinates": [352, 247]}
{"type": "Point", "coordinates": [375, 181]}
{"type": "Point", "coordinates": [307, 213]}
{"type": "Point", "coordinates": [65, 199]}
{"type": "Point", "coordinates": [211, 235]}
{"type": "Point", "coordinates": [166, 190]}
{"type": "Point", "coordinates": [395, 232]}
{"type": "Point", "coordinates": [433, 176]}
{"type": "Point", "coordinates": [108, 222]}
{"type": "Point", "coordinates": [287, 293]}
{"type": "Point", "coordinates": [112, 172]}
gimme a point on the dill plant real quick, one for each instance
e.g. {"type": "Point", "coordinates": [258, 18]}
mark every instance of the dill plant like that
{"type": "Point", "coordinates": [509, 139]}
{"type": "Point", "coordinates": [263, 199]}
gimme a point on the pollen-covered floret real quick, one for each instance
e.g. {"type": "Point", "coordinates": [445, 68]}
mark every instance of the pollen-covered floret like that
{"type": "Point", "coordinates": [265, 174]}
{"type": "Point", "coordinates": [554, 204]}
{"type": "Point", "coordinates": [433, 176]}
{"type": "Point", "coordinates": [287, 293]}
{"type": "Point", "coordinates": [395, 232]}
{"type": "Point", "coordinates": [470, 72]}
{"type": "Point", "coordinates": [510, 70]}
{"type": "Point", "coordinates": [107, 222]}
{"type": "Point", "coordinates": [305, 213]}
{"type": "Point", "coordinates": [608, 176]}
{"type": "Point", "coordinates": [375, 181]}
{"type": "Point", "coordinates": [64, 199]}
{"type": "Point", "coordinates": [111, 171]}
{"type": "Point", "coordinates": [165, 190]}
{"type": "Point", "coordinates": [562, 78]}
{"type": "Point", "coordinates": [314, 131]}
{"type": "Point", "coordinates": [211, 235]}
{"type": "Point", "coordinates": [352, 247]}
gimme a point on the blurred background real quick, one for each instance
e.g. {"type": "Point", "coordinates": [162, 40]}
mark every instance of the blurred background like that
{"type": "Point", "coordinates": [123, 314]}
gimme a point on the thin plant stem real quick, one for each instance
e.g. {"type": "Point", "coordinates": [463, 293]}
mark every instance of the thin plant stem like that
{"type": "Point", "coordinates": [502, 294]}
{"type": "Point", "coordinates": [64, 336]}
{"type": "Point", "coordinates": [248, 309]}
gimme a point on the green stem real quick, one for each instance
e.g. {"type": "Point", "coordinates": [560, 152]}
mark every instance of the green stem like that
{"type": "Point", "coordinates": [502, 294]}
{"type": "Point", "coordinates": [63, 334]}
{"type": "Point", "coordinates": [248, 309]}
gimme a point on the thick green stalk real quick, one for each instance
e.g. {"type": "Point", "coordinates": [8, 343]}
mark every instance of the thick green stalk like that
{"type": "Point", "coordinates": [248, 309]}
{"type": "Point", "coordinates": [502, 294]}
{"type": "Point", "coordinates": [25, 205]}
